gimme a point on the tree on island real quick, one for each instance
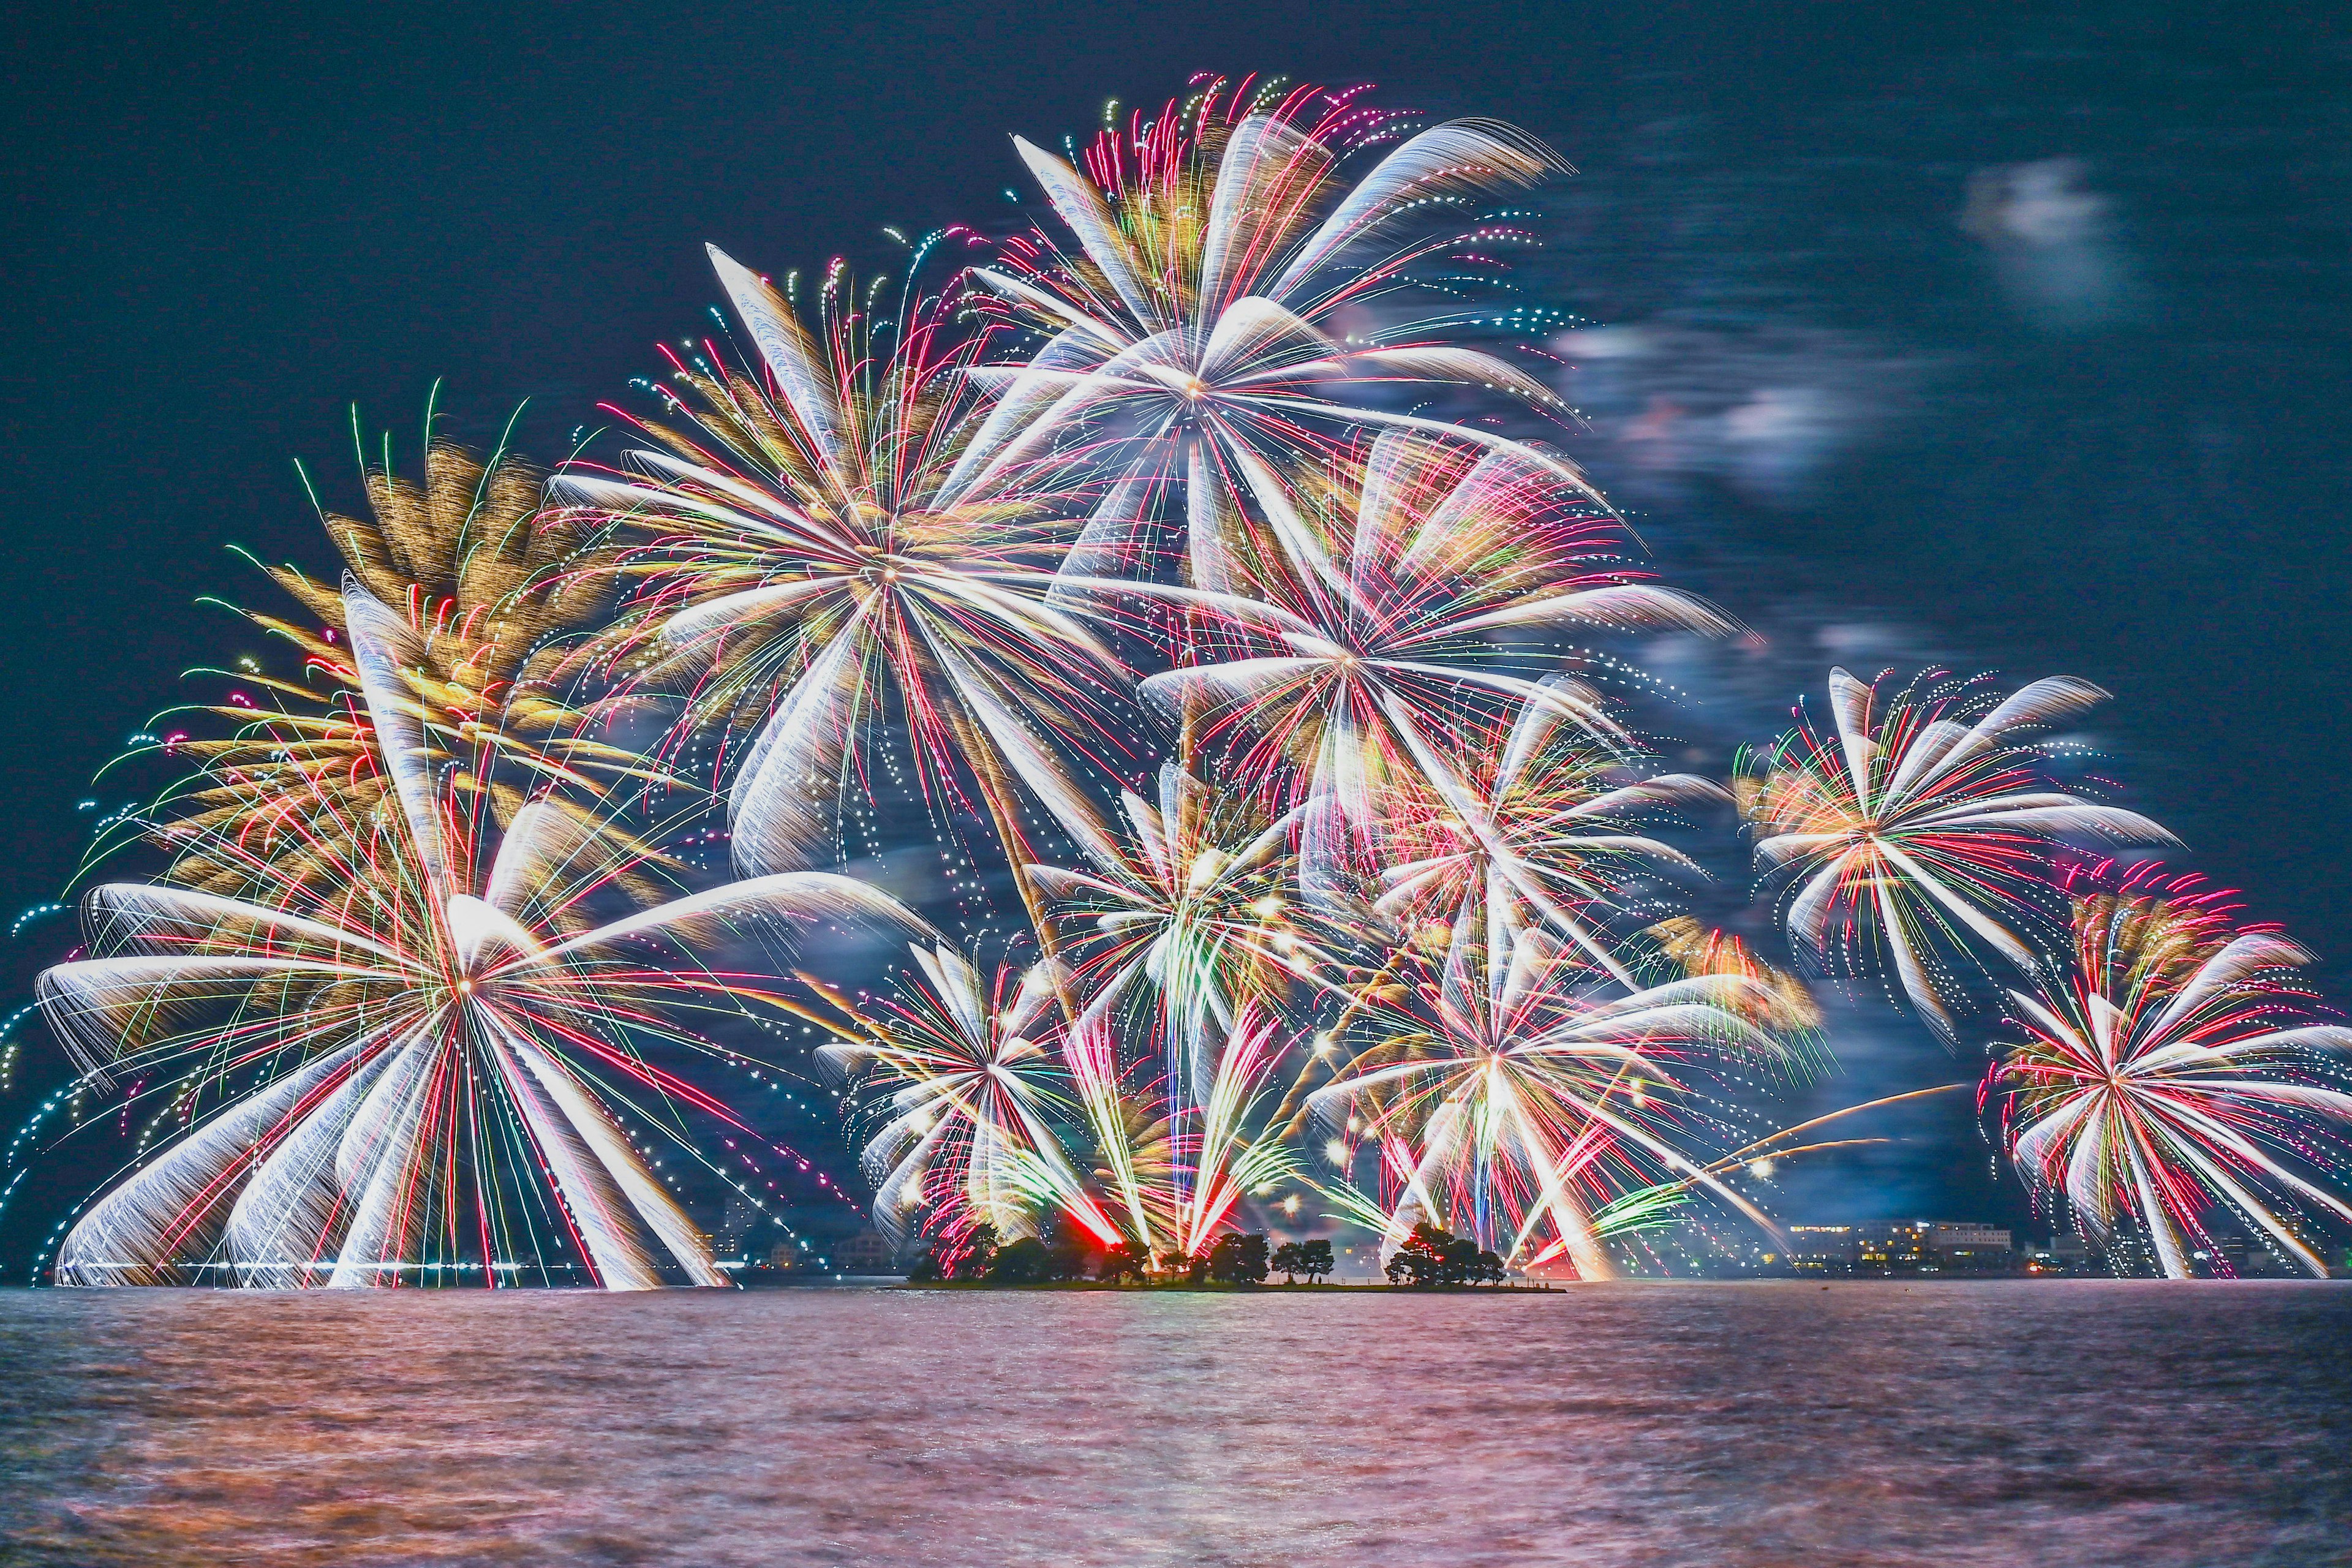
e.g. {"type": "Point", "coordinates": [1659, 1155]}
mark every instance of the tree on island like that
{"type": "Point", "coordinates": [1433, 1256]}
{"type": "Point", "coordinates": [1421, 1261]}
{"type": "Point", "coordinates": [1074, 1251]}
{"type": "Point", "coordinates": [1312, 1259]}
{"type": "Point", "coordinates": [1024, 1262]}
{"type": "Point", "coordinates": [1123, 1262]}
{"type": "Point", "coordinates": [1238, 1259]}
{"type": "Point", "coordinates": [1060, 1251]}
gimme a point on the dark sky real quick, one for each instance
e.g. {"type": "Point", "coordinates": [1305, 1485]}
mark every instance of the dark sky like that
{"type": "Point", "coordinates": [2099, 427]}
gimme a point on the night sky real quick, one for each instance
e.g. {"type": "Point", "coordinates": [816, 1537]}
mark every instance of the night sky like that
{"type": "Point", "coordinates": [1989, 334]}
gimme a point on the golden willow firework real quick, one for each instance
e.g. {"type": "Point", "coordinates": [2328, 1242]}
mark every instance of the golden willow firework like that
{"type": "Point", "coordinates": [488, 590]}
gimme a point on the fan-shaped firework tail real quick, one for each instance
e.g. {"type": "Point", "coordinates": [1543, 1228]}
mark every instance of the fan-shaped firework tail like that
{"type": "Point", "coordinates": [1184, 921]}
{"type": "Point", "coordinates": [978, 1090]}
{"type": "Point", "coordinates": [975, 1093]}
{"type": "Point", "coordinates": [2176, 1075]}
{"type": "Point", "coordinates": [1370, 641]}
{"type": "Point", "coordinates": [1115, 563]}
{"type": "Point", "coordinates": [408, 1048]}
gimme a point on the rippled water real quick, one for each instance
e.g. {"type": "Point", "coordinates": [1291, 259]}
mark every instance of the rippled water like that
{"type": "Point", "coordinates": [2086, 1422]}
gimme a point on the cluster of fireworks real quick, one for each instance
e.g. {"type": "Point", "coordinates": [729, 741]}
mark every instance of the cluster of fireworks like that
{"type": "Point", "coordinates": [1135, 565]}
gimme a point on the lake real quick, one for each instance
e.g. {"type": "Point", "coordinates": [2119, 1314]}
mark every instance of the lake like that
{"type": "Point", "coordinates": [1729, 1425]}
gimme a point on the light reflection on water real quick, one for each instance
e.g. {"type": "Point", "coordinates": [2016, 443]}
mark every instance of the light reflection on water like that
{"type": "Point", "coordinates": [1729, 1425]}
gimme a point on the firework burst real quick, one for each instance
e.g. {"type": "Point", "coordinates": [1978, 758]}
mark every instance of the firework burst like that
{"type": "Point", "coordinates": [1187, 333]}
{"type": "Point", "coordinates": [477, 593]}
{"type": "Point", "coordinates": [1535, 833]}
{"type": "Point", "coordinates": [1378, 611]}
{"type": "Point", "coordinates": [1921, 821]}
{"type": "Point", "coordinates": [1515, 1099]}
{"type": "Point", "coordinates": [2176, 1073]}
{"type": "Point", "coordinates": [418, 1067]}
{"type": "Point", "coordinates": [1188, 913]}
{"type": "Point", "coordinates": [973, 1090]}
{"type": "Point", "coordinates": [812, 580]}
{"type": "Point", "coordinates": [1117, 564]}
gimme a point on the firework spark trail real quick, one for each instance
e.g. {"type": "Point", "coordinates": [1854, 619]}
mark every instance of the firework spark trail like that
{"type": "Point", "coordinates": [1531, 833]}
{"type": "Point", "coordinates": [1176, 1158]}
{"type": "Point", "coordinates": [978, 1085]}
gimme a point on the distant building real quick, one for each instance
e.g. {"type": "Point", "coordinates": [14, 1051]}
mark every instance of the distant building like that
{"type": "Point", "coordinates": [1901, 1247]}
{"type": "Point", "coordinates": [731, 1236]}
{"type": "Point", "coordinates": [865, 1253]}
{"type": "Point", "coordinates": [2073, 1252]}
{"type": "Point", "coordinates": [1897, 1247]}
{"type": "Point", "coordinates": [1967, 1248]}
{"type": "Point", "coordinates": [1824, 1249]}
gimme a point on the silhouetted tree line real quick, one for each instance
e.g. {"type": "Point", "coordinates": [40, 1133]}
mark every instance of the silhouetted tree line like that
{"type": "Point", "coordinates": [1434, 1257]}
{"type": "Point", "coordinates": [1068, 1252]}
{"type": "Point", "coordinates": [1312, 1259]}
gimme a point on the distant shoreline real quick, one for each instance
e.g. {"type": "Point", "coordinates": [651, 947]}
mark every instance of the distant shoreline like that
{"type": "Point", "coordinates": [1209, 1289]}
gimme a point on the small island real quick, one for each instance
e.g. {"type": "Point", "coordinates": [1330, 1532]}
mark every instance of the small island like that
{"type": "Point", "coordinates": [1430, 1259]}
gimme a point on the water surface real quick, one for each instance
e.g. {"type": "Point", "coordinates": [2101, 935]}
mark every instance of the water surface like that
{"type": "Point", "coordinates": [1715, 1425]}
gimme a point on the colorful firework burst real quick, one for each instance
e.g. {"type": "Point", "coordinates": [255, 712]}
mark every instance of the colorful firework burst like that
{"type": "Point", "coordinates": [919, 554]}
{"type": "Point", "coordinates": [1515, 1099]}
{"type": "Point", "coordinates": [1377, 611]}
{"type": "Point", "coordinates": [812, 580]}
{"type": "Point", "coordinates": [1923, 823]}
{"type": "Point", "coordinates": [2177, 1074]}
{"type": "Point", "coordinates": [427, 1064]}
{"type": "Point", "coordinates": [1188, 336]}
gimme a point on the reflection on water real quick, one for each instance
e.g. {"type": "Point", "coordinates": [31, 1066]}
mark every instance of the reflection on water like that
{"type": "Point", "coordinates": [2086, 1422]}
